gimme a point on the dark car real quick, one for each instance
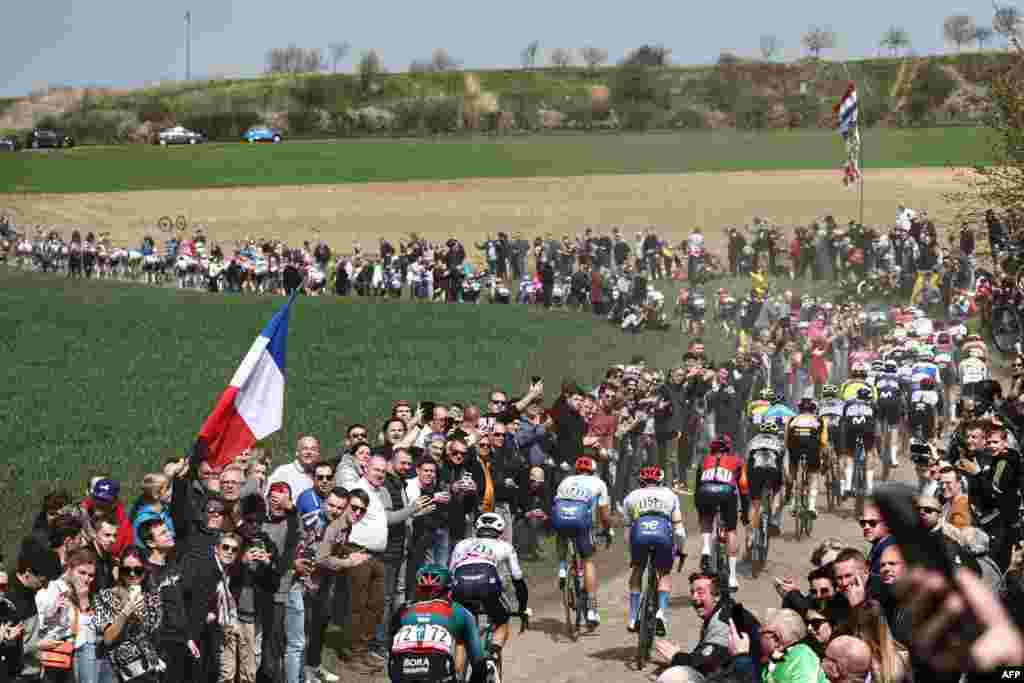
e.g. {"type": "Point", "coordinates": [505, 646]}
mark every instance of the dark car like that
{"type": "Point", "coordinates": [179, 135]}
{"type": "Point", "coordinates": [8, 144]}
{"type": "Point", "coordinates": [46, 137]}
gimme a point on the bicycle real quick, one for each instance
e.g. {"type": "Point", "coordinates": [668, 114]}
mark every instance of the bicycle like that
{"type": "Point", "coordinates": [720, 554]}
{"type": "Point", "coordinates": [647, 614]}
{"type": "Point", "coordinates": [762, 538]}
{"type": "Point", "coordinates": [831, 478]}
{"type": "Point", "coordinates": [494, 666]}
{"type": "Point", "coordinates": [860, 484]}
{"type": "Point", "coordinates": [801, 506]}
{"type": "Point", "coordinates": [572, 588]}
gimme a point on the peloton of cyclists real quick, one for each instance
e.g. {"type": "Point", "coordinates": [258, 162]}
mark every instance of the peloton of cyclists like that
{"type": "Point", "coordinates": [656, 520]}
{"type": "Point", "coordinates": [576, 500]}
{"type": "Point", "coordinates": [723, 480]}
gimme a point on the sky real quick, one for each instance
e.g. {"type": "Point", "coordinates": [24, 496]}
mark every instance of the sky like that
{"type": "Point", "coordinates": [130, 43]}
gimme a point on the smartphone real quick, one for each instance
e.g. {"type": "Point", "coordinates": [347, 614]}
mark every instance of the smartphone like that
{"type": "Point", "coordinates": [535, 379]}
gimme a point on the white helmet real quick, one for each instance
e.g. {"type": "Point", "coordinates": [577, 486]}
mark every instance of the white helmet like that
{"type": "Point", "coordinates": [490, 521]}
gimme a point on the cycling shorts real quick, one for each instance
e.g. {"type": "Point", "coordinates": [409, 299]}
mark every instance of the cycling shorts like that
{"type": "Point", "coordinates": [762, 479]}
{"type": "Point", "coordinates": [811, 448]}
{"type": "Point", "coordinates": [923, 420]}
{"type": "Point", "coordinates": [652, 531]}
{"type": "Point", "coordinates": [889, 411]}
{"type": "Point", "coordinates": [422, 667]}
{"type": "Point", "coordinates": [851, 439]}
{"type": "Point", "coordinates": [573, 519]}
{"type": "Point", "coordinates": [724, 499]}
{"type": "Point", "coordinates": [477, 587]}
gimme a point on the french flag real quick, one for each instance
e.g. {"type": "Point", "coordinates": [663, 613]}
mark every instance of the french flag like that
{"type": "Point", "coordinates": [252, 407]}
{"type": "Point", "coordinates": [847, 110]}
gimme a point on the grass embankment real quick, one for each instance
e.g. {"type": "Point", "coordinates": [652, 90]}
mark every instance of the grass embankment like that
{"type": "Point", "coordinates": [110, 169]}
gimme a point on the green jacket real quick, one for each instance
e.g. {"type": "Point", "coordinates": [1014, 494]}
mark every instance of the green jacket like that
{"type": "Point", "coordinates": [799, 664]}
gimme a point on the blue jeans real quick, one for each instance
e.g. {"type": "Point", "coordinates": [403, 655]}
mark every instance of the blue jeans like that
{"type": "Point", "coordinates": [294, 635]}
{"type": "Point", "coordinates": [90, 669]}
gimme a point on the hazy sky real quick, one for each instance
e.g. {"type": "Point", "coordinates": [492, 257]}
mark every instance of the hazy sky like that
{"type": "Point", "coordinates": [125, 43]}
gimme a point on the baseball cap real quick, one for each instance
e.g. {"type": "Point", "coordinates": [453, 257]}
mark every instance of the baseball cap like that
{"type": "Point", "coordinates": [106, 490]}
{"type": "Point", "coordinates": [280, 486]}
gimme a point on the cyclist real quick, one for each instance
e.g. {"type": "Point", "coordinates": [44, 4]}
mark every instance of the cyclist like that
{"type": "Point", "coordinates": [857, 381]}
{"type": "Point", "coordinates": [765, 454]}
{"type": "Point", "coordinates": [756, 408]}
{"type": "Point", "coordinates": [858, 421]}
{"type": "Point", "coordinates": [432, 636]}
{"type": "Point", "coordinates": [807, 434]}
{"type": "Point", "coordinates": [723, 481]}
{"type": "Point", "coordinates": [926, 367]}
{"type": "Point", "coordinates": [925, 406]}
{"type": "Point", "coordinates": [656, 519]}
{"type": "Point", "coordinates": [476, 579]}
{"type": "Point", "coordinates": [973, 369]}
{"type": "Point", "coordinates": [573, 515]}
{"type": "Point", "coordinates": [890, 408]}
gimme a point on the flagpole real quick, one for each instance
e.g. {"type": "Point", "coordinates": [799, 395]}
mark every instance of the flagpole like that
{"type": "Point", "coordinates": [860, 166]}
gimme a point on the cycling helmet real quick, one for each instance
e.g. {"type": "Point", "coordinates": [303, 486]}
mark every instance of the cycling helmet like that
{"type": "Point", "coordinates": [652, 475]}
{"type": "Point", "coordinates": [780, 398]}
{"type": "Point", "coordinates": [585, 465]}
{"type": "Point", "coordinates": [433, 578]}
{"type": "Point", "coordinates": [864, 394]}
{"type": "Point", "coordinates": [829, 391]}
{"type": "Point", "coordinates": [859, 370]}
{"type": "Point", "coordinates": [877, 366]}
{"type": "Point", "coordinates": [769, 427]}
{"type": "Point", "coordinates": [720, 446]}
{"type": "Point", "coordinates": [891, 368]}
{"type": "Point", "coordinates": [490, 523]}
{"type": "Point", "coordinates": [767, 394]}
{"type": "Point", "coordinates": [927, 382]}
{"type": "Point", "coordinates": [807, 405]}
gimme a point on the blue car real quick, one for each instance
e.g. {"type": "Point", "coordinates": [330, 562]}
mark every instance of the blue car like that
{"type": "Point", "coordinates": [262, 134]}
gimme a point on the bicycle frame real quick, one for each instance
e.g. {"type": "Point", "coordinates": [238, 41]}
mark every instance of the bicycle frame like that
{"type": "Point", "coordinates": [860, 484]}
{"type": "Point", "coordinates": [648, 611]}
{"type": "Point", "coordinates": [574, 615]}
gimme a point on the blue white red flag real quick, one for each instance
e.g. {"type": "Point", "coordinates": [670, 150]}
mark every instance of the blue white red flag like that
{"type": "Point", "coordinates": [252, 407]}
{"type": "Point", "coordinates": [848, 110]}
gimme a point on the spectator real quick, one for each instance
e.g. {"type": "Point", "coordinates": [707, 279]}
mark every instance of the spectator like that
{"type": "Point", "coordinates": [394, 555]}
{"type": "Point", "coordinates": [851, 572]}
{"type": "Point", "coordinates": [465, 494]}
{"type": "Point", "coordinates": [298, 474]}
{"type": "Point", "coordinates": [166, 575]}
{"type": "Point", "coordinates": [319, 586]}
{"type": "Point", "coordinates": [530, 526]}
{"type": "Point", "coordinates": [352, 467]}
{"type": "Point", "coordinates": [223, 616]}
{"type": "Point", "coordinates": [104, 544]}
{"type": "Point", "coordinates": [129, 617]}
{"type": "Point", "coordinates": [956, 509]}
{"type": "Point", "coordinates": [232, 480]}
{"type": "Point", "coordinates": [103, 504]}
{"type": "Point", "coordinates": [310, 504]}
{"type": "Point", "coordinates": [284, 641]}
{"type": "Point", "coordinates": [876, 533]}
{"type": "Point", "coordinates": [153, 503]}
{"type": "Point", "coordinates": [254, 586]}
{"type": "Point", "coordinates": [712, 650]}
{"type": "Point", "coordinates": [56, 504]}
{"type": "Point", "coordinates": [847, 660]}
{"type": "Point", "coordinates": [976, 544]}
{"type": "Point", "coordinates": [430, 534]}
{"type": "Point", "coordinates": [785, 657]}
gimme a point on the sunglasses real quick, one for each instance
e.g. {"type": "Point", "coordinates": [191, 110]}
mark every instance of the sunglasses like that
{"type": "Point", "coordinates": [324, 477]}
{"type": "Point", "coordinates": [357, 509]}
{"type": "Point", "coordinates": [870, 523]}
{"type": "Point", "coordinates": [499, 401]}
{"type": "Point", "coordinates": [816, 623]}
{"type": "Point", "coordinates": [228, 548]}
{"type": "Point", "coordinates": [358, 435]}
{"type": "Point", "coordinates": [461, 454]}
{"type": "Point", "coordinates": [134, 571]}
{"type": "Point", "coordinates": [929, 511]}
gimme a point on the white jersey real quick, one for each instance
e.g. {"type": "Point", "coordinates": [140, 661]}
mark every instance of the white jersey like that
{"type": "Point", "coordinates": [651, 500]}
{"type": "Point", "coordinates": [584, 488]}
{"type": "Point", "coordinates": [493, 552]}
{"type": "Point", "coordinates": [695, 244]}
{"type": "Point", "coordinates": [973, 370]}
{"type": "Point", "coordinates": [928, 396]}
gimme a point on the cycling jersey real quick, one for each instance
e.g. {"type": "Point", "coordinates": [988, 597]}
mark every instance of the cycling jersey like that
{"type": "Point", "coordinates": [493, 552]}
{"type": "Point", "coordinates": [650, 510]}
{"type": "Point", "coordinates": [831, 408]}
{"type": "Point", "coordinates": [476, 581]}
{"type": "Point", "coordinates": [890, 398]}
{"type": "Point", "coordinates": [765, 451]}
{"type": "Point", "coordinates": [808, 435]}
{"type": "Point", "coordinates": [423, 638]}
{"type": "Point", "coordinates": [577, 498]}
{"type": "Point", "coordinates": [723, 479]}
{"type": "Point", "coordinates": [849, 390]}
{"type": "Point", "coordinates": [729, 470]}
{"type": "Point", "coordinates": [973, 370]}
{"type": "Point", "coordinates": [780, 413]}
{"type": "Point", "coordinates": [858, 421]}
{"type": "Point", "coordinates": [755, 410]}
{"type": "Point", "coordinates": [926, 370]}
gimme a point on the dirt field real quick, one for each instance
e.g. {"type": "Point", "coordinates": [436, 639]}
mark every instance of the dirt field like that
{"type": "Point", "coordinates": [476, 208]}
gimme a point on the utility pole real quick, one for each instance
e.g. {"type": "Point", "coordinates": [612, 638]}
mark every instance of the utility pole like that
{"type": "Point", "coordinates": [188, 45]}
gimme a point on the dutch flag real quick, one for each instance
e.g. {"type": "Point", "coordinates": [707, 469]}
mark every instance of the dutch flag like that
{"type": "Point", "coordinates": [252, 407]}
{"type": "Point", "coordinates": [847, 110]}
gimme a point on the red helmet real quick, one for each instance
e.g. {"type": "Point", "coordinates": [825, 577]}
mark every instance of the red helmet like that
{"type": "Point", "coordinates": [652, 475]}
{"type": "Point", "coordinates": [720, 445]}
{"type": "Point", "coordinates": [585, 465]}
{"type": "Point", "coordinates": [927, 382]}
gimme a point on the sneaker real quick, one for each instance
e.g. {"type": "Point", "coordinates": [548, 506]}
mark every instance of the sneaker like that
{"type": "Point", "coordinates": [313, 675]}
{"type": "Point", "coordinates": [631, 626]}
{"type": "Point", "coordinates": [659, 625]}
{"type": "Point", "coordinates": [593, 618]}
{"type": "Point", "coordinates": [326, 676]}
{"type": "Point", "coordinates": [705, 564]}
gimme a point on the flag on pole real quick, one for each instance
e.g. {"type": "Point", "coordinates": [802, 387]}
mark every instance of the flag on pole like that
{"type": "Point", "coordinates": [252, 407]}
{"type": "Point", "coordinates": [847, 111]}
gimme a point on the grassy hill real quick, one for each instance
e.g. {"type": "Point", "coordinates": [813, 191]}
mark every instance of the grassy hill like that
{"type": "Point", "coordinates": [940, 90]}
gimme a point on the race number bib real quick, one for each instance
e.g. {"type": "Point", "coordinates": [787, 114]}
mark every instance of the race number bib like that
{"type": "Point", "coordinates": [721, 475]}
{"type": "Point", "coordinates": [422, 638]}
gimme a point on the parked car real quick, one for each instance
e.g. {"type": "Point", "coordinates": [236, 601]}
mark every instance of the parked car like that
{"type": "Point", "coordinates": [262, 134]}
{"type": "Point", "coordinates": [8, 143]}
{"type": "Point", "coordinates": [46, 137]}
{"type": "Point", "coordinates": [179, 135]}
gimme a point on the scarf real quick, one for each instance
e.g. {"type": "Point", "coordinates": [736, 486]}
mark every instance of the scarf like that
{"type": "Point", "coordinates": [227, 608]}
{"type": "Point", "coordinates": [487, 503]}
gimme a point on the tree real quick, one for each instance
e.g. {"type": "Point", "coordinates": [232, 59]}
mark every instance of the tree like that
{"type": "Point", "coordinates": [440, 60]}
{"type": "Point", "coordinates": [370, 68]}
{"type": "Point", "coordinates": [983, 34]}
{"type": "Point", "coordinates": [294, 60]}
{"type": "Point", "coordinates": [895, 39]}
{"type": "Point", "coordinates": [648, 55]}
{"type": "Point", "coordinates": [959, 29]}
{"type": "Point", "coordinates": [593, 57]}
{"type": "Point", "coordinates": [1006, 22]}
{"type": "Point", "coordinates": [817, 39]}
{"type": "Point", "coordinates": [560, 57]}
{"type": "Point", "coordinates": [338, 52]}
{"type": "Point", "coordinates": [770, 47]}
{"type": "Point", "coordinates": [530, 53]}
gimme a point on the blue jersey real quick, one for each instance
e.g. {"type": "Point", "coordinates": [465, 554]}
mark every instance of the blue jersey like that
{"type": "Point", "coordinates": [780, 413]}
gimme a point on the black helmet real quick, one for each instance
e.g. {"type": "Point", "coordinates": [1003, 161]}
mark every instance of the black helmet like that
{"type": "Point", "coordinates": [864, 394]}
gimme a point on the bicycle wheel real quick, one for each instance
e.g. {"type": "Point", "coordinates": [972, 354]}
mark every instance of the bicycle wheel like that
{"type": "Point", "coordinates": [181, 223]}
{"type": "Point", "coordinates": [829, 480]}
{"type": "Point", "coordinates": [165, 223]}
{"type": "Point", "coordinates": [569, 595]}
{"type": "Point", "coordinates": [647, 614]}
{"type": "Point", "coordinates": [859, 480]}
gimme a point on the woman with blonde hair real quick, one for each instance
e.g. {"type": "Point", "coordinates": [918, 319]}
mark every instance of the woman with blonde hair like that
{"type": "Point", "coordinates": [890, 661]}
{"type": "Point", "coordinates": [153, 502]}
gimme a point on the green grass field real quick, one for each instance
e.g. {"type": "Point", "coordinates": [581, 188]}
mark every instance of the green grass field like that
{"type": "Point", "coordinates": [108, 169]}
{"type": "Point", "coordinates": [111, 378]}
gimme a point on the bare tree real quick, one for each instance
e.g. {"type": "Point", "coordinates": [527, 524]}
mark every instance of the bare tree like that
{"type": "Point", "coordinates": [770, 46]}
{"type": "Point", "coordinates": [819, 38]}
{"type": "Point", "coordinates": [530, 53]}
{"type": "Point", "coordinates": [338, 52]}
{"type": "Point", "coordinates": [370, 67]}
{"type": "Point", "coordinates": [593, 57]}
{"type": "Point", "coordinates": [959, 29]}
{"type": "Point", "coordinates": [894, 40]}
{"type": "Point", "coordinates": [983, 34]}
{"type": "Point", "coordinates": [1006, 22]}
{"type": "Point", "coordinates": [648, 55]}
{"type": "Point", "coordinates": [294, 60]}
{"type": "Point", "coordinates": [442, 61]}
{"type": "Point", "coordinates": [560, 57]}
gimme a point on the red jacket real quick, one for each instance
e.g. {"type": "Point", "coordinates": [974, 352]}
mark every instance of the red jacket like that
{"type": "Point", "coordinates": [125, 536]}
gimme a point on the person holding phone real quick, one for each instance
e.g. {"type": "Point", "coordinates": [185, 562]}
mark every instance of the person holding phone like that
{"type": "Point", "coordinates": [129, 616]}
